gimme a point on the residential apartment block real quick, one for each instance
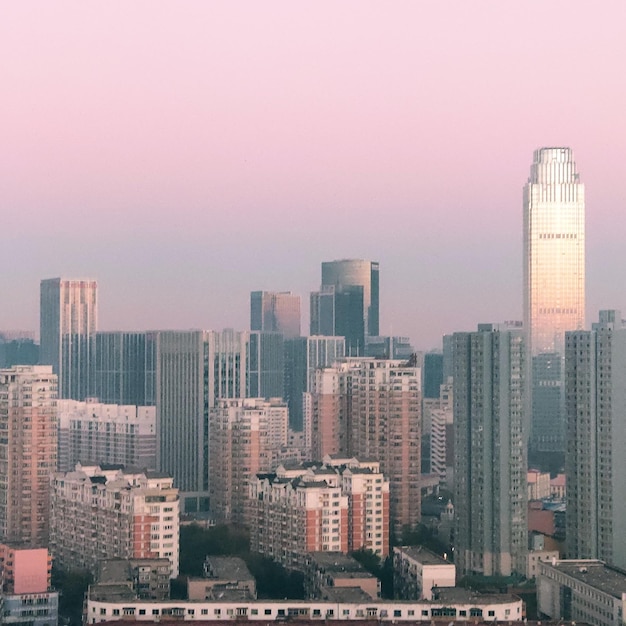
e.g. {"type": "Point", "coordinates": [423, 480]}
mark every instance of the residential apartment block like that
{"type": "Point", "coordinates": [417, 571]}
{"type": "Point", "coordinates": [28, 452]}
{"type": "Point", "coordinates": [106, 433]}
{"type": "Point", "coordinates": [105, 512]}
{"type": "Point", "coordinates": [246, 437]}
{"type": "Point", "coordinates": [26, 596]}
{"type": "Point", "coordinates": [371, 409]}
{"type": "Point", "coordinates": [339, 505]}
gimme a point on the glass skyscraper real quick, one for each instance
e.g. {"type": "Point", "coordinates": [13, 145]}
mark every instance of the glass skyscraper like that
{"type": "Point", "coordinates": [554, 290]}
{"type": "Point", "coordinates": [554, 250]}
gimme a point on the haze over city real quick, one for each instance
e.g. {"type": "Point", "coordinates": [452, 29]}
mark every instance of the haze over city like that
{"type": "Point", "coordinates": [186, 154]}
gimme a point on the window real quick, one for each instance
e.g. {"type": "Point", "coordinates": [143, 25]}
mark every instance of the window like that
{"type": "Point", "coordinates": [397, 613]}
{"type": "Point", "coordinates": [268, 611]}
{"type": "Point", "coordinates": [491, 613]}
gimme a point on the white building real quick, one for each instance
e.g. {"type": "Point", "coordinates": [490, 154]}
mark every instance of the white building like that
{"type": "Point", "coordinates": [105, 513]}
{"type": "Point", "coordinates": [106, 433]}
{"type": "Point", "coordinates": [586, 591]}
{"type": "Point", "coordinates": [417, 571]}
{"type": "Point", "coordinates": [101, 607]}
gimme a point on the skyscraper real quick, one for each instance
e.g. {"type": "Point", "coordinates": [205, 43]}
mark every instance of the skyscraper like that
{"type": "Point", "coordinates": [28, 452]}
{"type": "Point", "coordinates": [68, 324]}
{"type": "Point", "coordinates": [595, 362]}
{"type": "Point", "coordinates": [275, 312]}
{"type": "Point", "coordinates": [356, 302]}
{"type": "Point", "coordinates": [554, 290]}
{"type": "Point", "coordinates": [490, 451]}
{"type": "Point", "coordinates": [554, 250]}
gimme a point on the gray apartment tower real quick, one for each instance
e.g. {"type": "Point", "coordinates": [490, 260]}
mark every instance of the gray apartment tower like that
{"type": "Point", "coordinates": [595, 386]}
{"type": "Point", "coordinates": [68, 323]}
{"type": "Point", "coordinates": [489, 368]}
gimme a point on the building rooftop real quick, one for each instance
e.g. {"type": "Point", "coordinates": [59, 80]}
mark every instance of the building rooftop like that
{"type": "Point", "coordinates": [460, 595]}
{"type": "Point", "coordinates": [229, 568]}
{"type": "Point", "coordinates": [339, 563]}
{"type": "Point", "coordinates": [112, 593]}
{"type": "Point", "coordinates": [596, 574]}
{"type": "Point", "coordinates": [112, 571]}
{"type": "Point", "coordinates": [422, 555]}
{"type": "Point", "coordinates": [345, 594]}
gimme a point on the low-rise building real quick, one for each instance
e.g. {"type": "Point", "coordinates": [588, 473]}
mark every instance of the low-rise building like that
{"type": "Point", "coordinates": [108, 605]}
{"type": "Point", "coordinates": [221, 575]}
{"type": "Point", "coordinates": [335, 570]}
{"type": "Point", "coordinates": [538, 485]}
{"type": "Point", "coordinates": [148, 578]}
{"type": "Point", "coordinates": [26, 596]}
{"type": "Point", "coordinates": [105, 512]}
{"type": "Point", "coordinates": [417, 571]}
{"type": "Point", "coordinates": [586, 591]}
{"type": "Point", "coordinates": [558, 487]}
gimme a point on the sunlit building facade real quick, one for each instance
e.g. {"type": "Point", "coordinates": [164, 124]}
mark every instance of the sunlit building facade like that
{"type": "Point", "coordinates": [554, 250]}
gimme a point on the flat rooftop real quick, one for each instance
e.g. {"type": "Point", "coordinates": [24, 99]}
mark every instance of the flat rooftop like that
{"type": "Point", "coordinates": [339, 563]}
{"type": "Point", "coordinates": [596, 574]}
{"type": "Point", "coordinates": [227, 568]}
{"type": "Point", "coordinates": [422, 555]}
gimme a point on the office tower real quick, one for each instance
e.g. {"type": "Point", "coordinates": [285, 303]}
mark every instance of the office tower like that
{"type": "Point", "coordinates": [337, 505]}
{"type": "Point", "coordinates": [265, 365]}
{"type": "Point", "coordinates": [595, 362]}
{"type": "Point", "coordinates": [433, 374]}
{"type": "Point", "coordinates": [106, 433]}
{"type": "Point", "coordinates": [100, 512]}
{"type": "Point", "coordinates": [372, 409]}
{"type": "Point", "coordinates": [125, 368]}
{"type": "Point", "coordinates": [28, 452]}
{"type": "Point", "coordinates": [18, 348]}
{"type": "Point", "coordinates": [246, 436]}
{"type": "Point", "coordinates": [554, 290]}
{"type": "Point", "coordinates": [322, 311]}
{"type": "Point", "coordinates": [349, 295]}
{"type": "Point", "coordinates": [554, 250]}
{"type": "Point", "coordinates": [275, 312]}
{"type": "Point", "coordinates": [193, 370]}
{"type": "Point", "coordinates": [490, 446]}
{"type": "Point", "coordinates": [68, 324]}
{"type": "Point", "coordinates": [389, 348]}
{"type": "Point", "coordinates": [303, 356]}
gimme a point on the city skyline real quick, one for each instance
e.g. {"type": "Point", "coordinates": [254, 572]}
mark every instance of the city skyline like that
{"type": "Point", "coordinates": [239, 159]}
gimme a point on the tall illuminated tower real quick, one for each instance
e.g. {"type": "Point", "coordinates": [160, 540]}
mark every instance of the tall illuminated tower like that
{"type": "Point", "coordinates": [554, 250]}
{"type": "Point", "coordinates": [554, 291]}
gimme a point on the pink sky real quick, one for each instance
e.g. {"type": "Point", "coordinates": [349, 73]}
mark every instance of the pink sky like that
{"type": "Point", "coordinates": [185, 153]}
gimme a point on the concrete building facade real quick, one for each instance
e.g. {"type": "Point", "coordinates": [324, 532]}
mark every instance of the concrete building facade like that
{"type": "Point", "coordinates": [28, 452]}
{"type": "Point", "coordinates": [490, 450]}
{"type": "Point", "coordinates": [276, 312]}
{"type": "Point", "coordinates": [108, 512]}
{"type": "Point", "coordinates": [105, 433]}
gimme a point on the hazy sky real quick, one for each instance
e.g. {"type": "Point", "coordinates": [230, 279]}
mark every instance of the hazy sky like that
{"type": "Point", "coordinates": [186, 153]}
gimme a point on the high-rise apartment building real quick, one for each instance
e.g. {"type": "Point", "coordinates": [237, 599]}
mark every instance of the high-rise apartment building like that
{"type": "Point", "coordinates": [106, 512]}
{"type": "Point", "coordinates": [106, 433]}
{"type": "Point", "coordinates": [68, 324]}
{"type": "Point", "coordinates": [554, 250]}
{"type": "Point", "coordinates": [275, 312]}
{"type": "Point", "coordinates": [246, 436]}
{"type": "Point", "coordinates": [371, 409]}
{"type": "Point", "coordinates": [554, 287]}
{"type": "Point", "coordinates": [490, 450]}
{"type": "Point", "coordinates": [347, 304]}
{"type": "Point", "coordinates": [595, 362]}
{"type": "Point", "coordinates": [28, 452]}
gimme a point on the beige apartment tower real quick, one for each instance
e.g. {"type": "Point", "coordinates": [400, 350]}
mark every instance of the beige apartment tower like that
{"type": "Point", "coordinates": [28, 452]}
